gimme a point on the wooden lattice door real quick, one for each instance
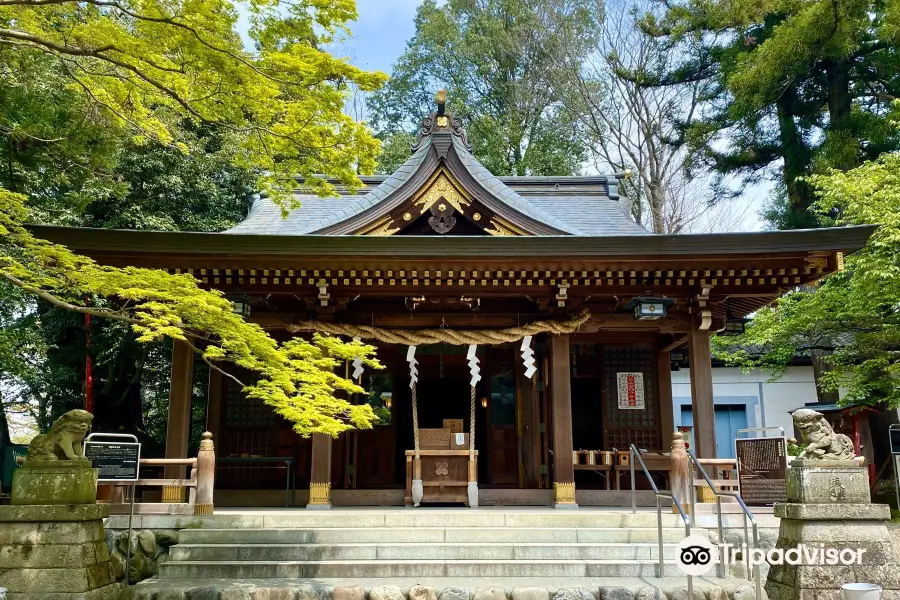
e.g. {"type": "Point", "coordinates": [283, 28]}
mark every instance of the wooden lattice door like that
{"type": "Point", "coordinates": [630, 426]}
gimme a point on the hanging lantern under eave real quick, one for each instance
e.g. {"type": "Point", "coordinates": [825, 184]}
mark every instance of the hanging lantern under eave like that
{"type": "Point", "coordinates": [241, 306]}
{"type": "Point", "coordinates": [734, 327]}
{"type": "Point", "coordinates": [649, 309]}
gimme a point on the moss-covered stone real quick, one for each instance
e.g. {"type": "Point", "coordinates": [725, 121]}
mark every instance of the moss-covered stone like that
{"type": "Point", "coordinates": [54, 485]}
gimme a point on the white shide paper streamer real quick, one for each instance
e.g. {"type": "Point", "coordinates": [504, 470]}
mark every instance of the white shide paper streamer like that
{"type": "Point", "coordinates": [528, 357]}
{"type": "Point", "coordinates": [413, 370]}
{"type": "Point", "coordinates": [474, 369]}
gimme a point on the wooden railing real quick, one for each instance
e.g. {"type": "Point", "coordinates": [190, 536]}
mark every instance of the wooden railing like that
{"type": "Point", "coordinates": [717, 467]}
{"type": "Point", "coordinates": [198, 485]}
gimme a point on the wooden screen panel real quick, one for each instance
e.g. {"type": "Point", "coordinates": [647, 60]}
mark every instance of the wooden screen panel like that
{"type": "Point", "coordinates": [623, 427]}
{"type": "Point", "coordinates": [250, 428]}
{"type": "Point", "coordinates": [244, 412]}
{"type": "Point", "coordinates": [375, 456]}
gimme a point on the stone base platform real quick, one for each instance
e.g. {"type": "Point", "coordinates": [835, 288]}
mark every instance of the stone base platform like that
{"type": "Point", "coordinates": [829, 510]}
{"type": "Point", "coordinates": [502, 588]}
{"type": "Point", "coordinates": [54, 552]}
{"type": "Point", "coordinates": [42, 482]}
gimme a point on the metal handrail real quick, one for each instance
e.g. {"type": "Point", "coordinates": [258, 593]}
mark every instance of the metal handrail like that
{"type": "Point", "coordinates": [636, 454]}
{"type": "Point", "coordinates": [747, 516]}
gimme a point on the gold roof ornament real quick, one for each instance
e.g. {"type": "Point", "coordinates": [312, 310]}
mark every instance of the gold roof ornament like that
{"type": "Point", "coordinates": [441, 122]}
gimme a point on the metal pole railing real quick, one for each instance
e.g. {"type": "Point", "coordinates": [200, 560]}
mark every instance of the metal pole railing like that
{"type": "Point", "coordinates": [636, 456]}
{"type": "Point", "coordinates": [754, 574]}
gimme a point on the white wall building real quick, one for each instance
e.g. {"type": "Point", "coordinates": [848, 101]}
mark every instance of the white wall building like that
{"type": "Point", "coordinates": [746, 400]}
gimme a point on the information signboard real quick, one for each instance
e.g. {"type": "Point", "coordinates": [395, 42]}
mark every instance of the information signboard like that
{"type": "Point", "coordinates": [116, 461]}
{"type": "Point", "coordinates": [895, 439]}
{"type": "Point", "coordinates": [762, 470]}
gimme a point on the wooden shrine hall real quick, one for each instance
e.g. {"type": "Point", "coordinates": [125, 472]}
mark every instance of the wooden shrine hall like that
{"type": "Point", "coordinates": [443, 243]}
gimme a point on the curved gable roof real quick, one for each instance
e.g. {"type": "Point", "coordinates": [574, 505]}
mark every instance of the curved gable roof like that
{"type": "Point", "coordinates": [578, 206]}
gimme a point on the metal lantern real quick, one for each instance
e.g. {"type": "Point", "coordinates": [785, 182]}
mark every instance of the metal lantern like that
{"type": "Point", "coordinates": [649, 309]}
{"type": "Point", "coordinates": [241, 306]}
{"type": "Point", "coordinates": [734, 327]}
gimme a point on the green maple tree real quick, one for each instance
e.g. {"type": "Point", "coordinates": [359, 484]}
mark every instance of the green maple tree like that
{"type": "Point", "coordinates": [297, 378]}
{"type": "Point", "coordinates": [129, 86]}
{"type": "Point", "coordinates": [853, 315]}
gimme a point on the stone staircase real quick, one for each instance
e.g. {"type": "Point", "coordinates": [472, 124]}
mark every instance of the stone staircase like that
{"type": "Point", "coordinates": [436, 547]}
{"type": "Point", "coordinates": [428, 543]}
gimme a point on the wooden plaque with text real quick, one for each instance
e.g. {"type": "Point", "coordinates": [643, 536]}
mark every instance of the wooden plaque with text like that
{"type": "Point", "coordinates": [762, 470]}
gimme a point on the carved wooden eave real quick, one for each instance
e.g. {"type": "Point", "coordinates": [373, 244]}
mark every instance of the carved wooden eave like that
{"type": "Point", "coordinates": [443, 184]}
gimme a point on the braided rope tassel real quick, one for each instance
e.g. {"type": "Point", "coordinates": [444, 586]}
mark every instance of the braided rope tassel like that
{"type": "Point", "coordinates": [472, 488]}
{"type": "Point", "coordinates": [417, 489]}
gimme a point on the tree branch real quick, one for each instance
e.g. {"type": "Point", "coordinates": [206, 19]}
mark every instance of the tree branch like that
{"type": "Point", "coordinates": [105, 314]}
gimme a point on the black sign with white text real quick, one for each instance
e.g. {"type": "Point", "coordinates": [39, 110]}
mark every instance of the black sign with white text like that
{"type": "Point", "coordinates": [117, 461]}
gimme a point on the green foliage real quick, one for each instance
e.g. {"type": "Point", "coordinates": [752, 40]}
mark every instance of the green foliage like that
{"type": "Point", "coordinates": [54, 146]}
{"type": "Point", "coordinates": [146, 66]}
{"type": "Point", "coordinates": [164, 190]}
{"type": "Point", "coordinates": [801, 87]}
{"type": "Point", "coordinates": [795, 449]}
{"type": "Point", "coordinates": [498, 59]}
{"type": "Point", "coordinates": [296, 378]}
{"type": "Point", "coordinates": [395, 150]}
{"type": "Point", "coordinates": [854, 313]}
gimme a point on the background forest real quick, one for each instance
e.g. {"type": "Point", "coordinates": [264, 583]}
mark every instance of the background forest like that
{"type": "Point", "coordinates": [697, 101]}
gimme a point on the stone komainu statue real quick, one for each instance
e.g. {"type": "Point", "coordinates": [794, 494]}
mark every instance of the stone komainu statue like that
{"type": "Point", "coordinates": [822, 442]}
{"type": "Point", "coordinates": [63, 441]}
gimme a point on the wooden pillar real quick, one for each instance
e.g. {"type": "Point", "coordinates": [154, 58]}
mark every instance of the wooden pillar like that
{"type": "Point", "coordinates": [214, 401]}
{"type": "Point", "coordinates": [666, 414]}
{"type": "Point", "coordinates": [320, 472]}
{"type": "Point", "coordinates": [680, 473]}
{"type": "Point", "coordinates": [206, 476]}
{"type": "Point", "coordinates": [702, 404]}
{"type": "Point", "coordinates": [528, 429]}
{"type": "Point", "coordinates": [178, 428]}
{"type": "Point", "coordinates": [561, 398]}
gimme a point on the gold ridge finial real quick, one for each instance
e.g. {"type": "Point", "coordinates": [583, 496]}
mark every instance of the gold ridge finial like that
{"type": "Point", "coordinates": [441, 98]}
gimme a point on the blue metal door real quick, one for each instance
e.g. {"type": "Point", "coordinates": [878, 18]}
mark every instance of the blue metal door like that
{"type": "Point", "coordinates": [729, 418]}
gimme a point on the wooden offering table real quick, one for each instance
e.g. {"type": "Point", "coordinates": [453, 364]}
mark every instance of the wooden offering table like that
{"type": "Point", "coordinates": [655, 461]}
{"type": "Point", "coordinates": [445, 475]}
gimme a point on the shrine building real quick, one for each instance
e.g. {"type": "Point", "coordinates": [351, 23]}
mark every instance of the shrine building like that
{"type": "Point", "coordinates": [444, 244]}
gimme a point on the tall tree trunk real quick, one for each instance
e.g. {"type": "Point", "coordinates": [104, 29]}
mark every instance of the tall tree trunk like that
{"type": "Point", "coordinates": [820, 367]}
{"type": "Point", "coordinates": [656, 199]}
{"type": "Point", "coordinates": [796, 163]}
{"type": "Point", "coordinates": [837, 73]}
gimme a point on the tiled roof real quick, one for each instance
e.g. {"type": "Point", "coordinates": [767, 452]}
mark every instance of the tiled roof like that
{"type": "Point", "coordinates": [317, 213]}
{"type": "Point", "coordinates": [592, 215]}
{"type": "Point", "coordinates": [581, 206]}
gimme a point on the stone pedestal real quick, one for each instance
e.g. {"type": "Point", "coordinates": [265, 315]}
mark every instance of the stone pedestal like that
{"type": "Point", "coordinates": [829, 507]}
{"type": "Point", "coordinates": [52, 552]}
{"type": "Point", "coordinates": [54, 482]}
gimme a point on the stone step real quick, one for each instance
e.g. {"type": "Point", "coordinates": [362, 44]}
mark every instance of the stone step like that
{"type": "Point", "coordinates": [370, 535]}
{"type": "Point", "coordinates": [393, 519]}
{"type": "Point", "coordinates": [414, 551]}
{"type": "Point", "coordinates": [412, 568]}
{"type": "Point", "coordinates": [468, 588]}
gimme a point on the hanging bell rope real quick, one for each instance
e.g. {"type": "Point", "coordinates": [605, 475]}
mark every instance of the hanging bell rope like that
{"type": "Point", "coordinates": [417, 489]}
{"type": "Point", "coordinates": [446, 336]}
{"type": "Point", "coordinates": [475, 370]}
